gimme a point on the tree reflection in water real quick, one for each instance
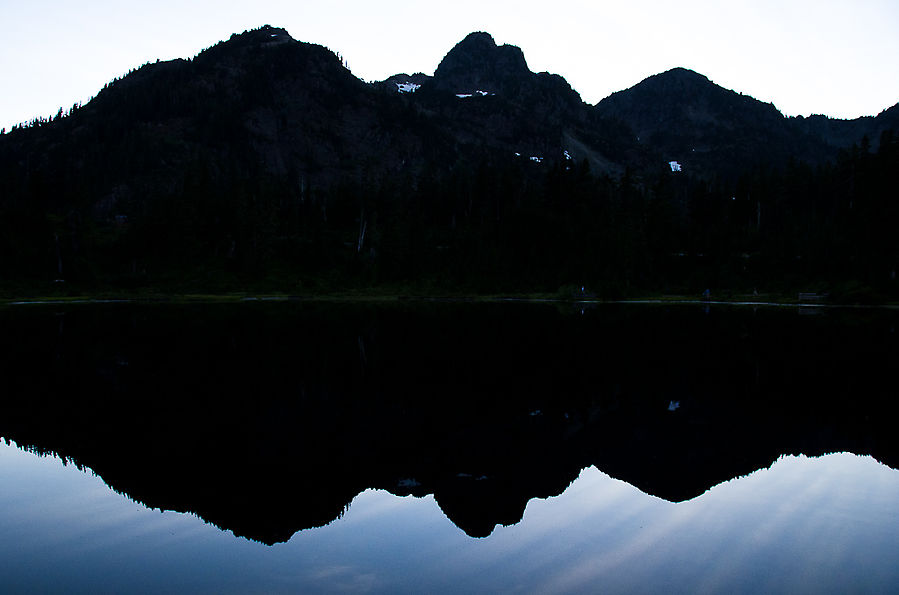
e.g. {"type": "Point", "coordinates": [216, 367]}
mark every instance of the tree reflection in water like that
{"type": "Point", "coordinates": [269, 419]}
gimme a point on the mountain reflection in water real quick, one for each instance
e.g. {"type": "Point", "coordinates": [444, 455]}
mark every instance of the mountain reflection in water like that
{"type": "Point", "coordinates": [266, 419]}
{"type": "Point", "coordinates": [822, 525]}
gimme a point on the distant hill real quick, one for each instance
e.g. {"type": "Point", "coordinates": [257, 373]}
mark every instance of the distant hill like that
{"type": "Point", "coordinates": [684, 116]}
{"type": "Point", "coordinates": [844, 133]}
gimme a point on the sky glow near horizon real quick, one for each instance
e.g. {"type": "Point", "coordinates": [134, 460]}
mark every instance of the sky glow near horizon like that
{"type": "Point", "coordinates": [833, 57]}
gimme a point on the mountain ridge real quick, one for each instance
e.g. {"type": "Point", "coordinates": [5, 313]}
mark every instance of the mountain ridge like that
{"type": "Point", "coordinates": [262, 147]}
{"type": "Point", "coordinates": [477, 61]}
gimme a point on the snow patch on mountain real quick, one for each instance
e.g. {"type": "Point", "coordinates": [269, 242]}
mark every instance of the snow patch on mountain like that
{"type": "Point", "coordinates": [479, 92]}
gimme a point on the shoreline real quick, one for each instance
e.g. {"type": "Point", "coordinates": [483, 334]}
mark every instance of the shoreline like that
{"type": "Point", "coordinates": [173, 299]}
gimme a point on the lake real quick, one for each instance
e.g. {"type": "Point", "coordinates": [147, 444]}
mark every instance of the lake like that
{"type": "Point", "coordinates": [448, 447]}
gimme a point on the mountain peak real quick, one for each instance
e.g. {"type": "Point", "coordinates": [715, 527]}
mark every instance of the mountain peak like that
{"type": "Point", "coordinates": [683, 74]}
{"type": "Point", "coordinates": [478, 38]}
{"type": "Point", "coordinates": [684, 114]}
{"type": "Point", "coordinates": [265, 35]}
{"type": "Point", "coordinates": [477, 63]}
{"type": "Point", "coordinates": [678, 79]}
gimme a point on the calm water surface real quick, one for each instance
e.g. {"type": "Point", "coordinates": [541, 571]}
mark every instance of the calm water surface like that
{"type": "Point", "coordinates": [827, 524]}
{"type": "Point", "coordinates": [456, 449]}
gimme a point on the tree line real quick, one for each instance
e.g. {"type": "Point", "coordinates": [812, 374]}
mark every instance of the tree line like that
{"type": "Point", "coordinates": [509, 225]}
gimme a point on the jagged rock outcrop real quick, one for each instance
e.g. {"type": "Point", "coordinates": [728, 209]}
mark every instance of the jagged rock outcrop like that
{"type": "Point", "coordinates": [477, 64]}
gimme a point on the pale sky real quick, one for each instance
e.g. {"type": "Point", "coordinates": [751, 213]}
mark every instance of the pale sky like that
{"type": "Point", "coordinates": [839, 58]}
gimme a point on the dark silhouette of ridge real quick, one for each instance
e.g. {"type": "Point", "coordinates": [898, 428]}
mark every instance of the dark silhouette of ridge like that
{"type": "Point", "coordinates": [264, 162]}
{"type": "Point", "coordinates": [477, 63]}
{"type": "Point", "coordinates": [682, 114]}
